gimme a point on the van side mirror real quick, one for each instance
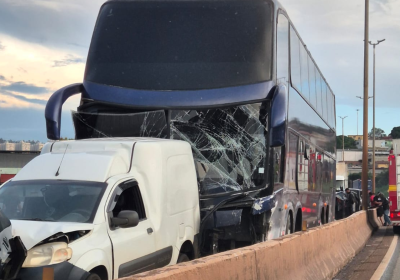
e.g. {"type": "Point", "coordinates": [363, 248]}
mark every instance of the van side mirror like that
{"type": "Point", "coordinates": [278, 117]}
{"type": "Point", "coordinates": [126, 219]}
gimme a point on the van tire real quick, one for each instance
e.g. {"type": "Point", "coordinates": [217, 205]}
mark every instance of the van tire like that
{"type": "Point", "coordinates": [183, 258]}
{"type": "Point", "coordinates": [93, 276]}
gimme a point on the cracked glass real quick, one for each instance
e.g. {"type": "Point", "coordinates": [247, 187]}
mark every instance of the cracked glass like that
{"type": "Point", "coordinates": [229, 145]}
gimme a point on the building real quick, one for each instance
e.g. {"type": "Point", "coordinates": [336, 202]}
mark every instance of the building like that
{"type": "Point", "coordinates": [381, 143]}
{"type": "Point", "coordinates": [353, 159]}
{"type": "Point", "coordinates": [356, 137]}
{"type": "Point", "coordinates": [349, 156]}
{"type": "Point", "coordinates": [22, 146]}
{"type": "Point", "coordinates": [37, 147]}
{"type": "Point", "coordinates": [6, 146]}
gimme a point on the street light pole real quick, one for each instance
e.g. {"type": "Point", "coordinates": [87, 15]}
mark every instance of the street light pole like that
{"type": "Point", "coordinates": [373, 120]}
{"type": "Point", "coordinates": [343, 136]}
{"type": "Point", "coordinates": [364, 175]}
{"type": "Point", "coordinates": [357, 120]}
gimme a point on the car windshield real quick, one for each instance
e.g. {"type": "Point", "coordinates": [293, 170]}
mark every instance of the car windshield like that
{"type": "Point", "coordinates": [51, 200]}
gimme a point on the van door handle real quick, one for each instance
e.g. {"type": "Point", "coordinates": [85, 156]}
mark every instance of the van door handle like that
{"type": "Point", "coordinates": [150, 230]}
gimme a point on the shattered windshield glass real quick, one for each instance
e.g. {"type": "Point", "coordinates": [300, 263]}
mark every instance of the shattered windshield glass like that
{"type": "Point", "coordinates": [51, 200]}
{"type": "Point", "coordinates": [229, 144]}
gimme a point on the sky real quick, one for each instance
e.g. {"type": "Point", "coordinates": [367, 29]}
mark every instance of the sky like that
{"type": "Point", "coordinates": [44, 45]}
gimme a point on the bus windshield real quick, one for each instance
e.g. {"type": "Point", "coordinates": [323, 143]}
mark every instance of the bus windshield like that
{"type": "Point", "coordinates": [182, 45]}
{"type": "Point", "coordinates": [229, 144]}
{"type": "Point", "coordinates": [51, 200]}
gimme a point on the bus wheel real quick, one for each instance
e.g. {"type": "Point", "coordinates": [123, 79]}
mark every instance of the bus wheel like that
{"type": "Point", "coordinates": [322, 216]}
{"type": "Point", "coordinates": [289, 224]}
{"type": "Point", "coordinates": [396, 229]}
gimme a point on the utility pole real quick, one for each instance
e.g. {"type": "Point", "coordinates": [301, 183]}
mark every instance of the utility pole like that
{"type": "Point", "coordinates": [343, 136]}
{"type": "Point", "coordinates": [373, 122]}
{"type": "Point", "coordinates": [364, 176]}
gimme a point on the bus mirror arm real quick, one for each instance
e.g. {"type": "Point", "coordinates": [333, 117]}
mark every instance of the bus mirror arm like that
{"type": "Point", "coordinates": [278, 117]}
{"type": "Point", "coordinates": [54, 108]}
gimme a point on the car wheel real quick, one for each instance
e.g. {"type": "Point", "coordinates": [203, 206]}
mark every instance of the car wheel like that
{"type": "Point", "coordinates": [93, 276]}
{"type": "Point", "coordinates": [183, 258]}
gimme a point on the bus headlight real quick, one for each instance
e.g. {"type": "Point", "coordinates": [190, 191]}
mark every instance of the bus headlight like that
{"type": "Point", "coordinates": [48, 254]}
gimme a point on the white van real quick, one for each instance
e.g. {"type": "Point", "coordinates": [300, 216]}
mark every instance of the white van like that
{"type": "Point", "coordinates": [104, 208]}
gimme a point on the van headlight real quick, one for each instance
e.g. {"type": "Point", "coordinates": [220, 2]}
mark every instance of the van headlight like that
{"type": "Point", "coordinates": [47, 254]}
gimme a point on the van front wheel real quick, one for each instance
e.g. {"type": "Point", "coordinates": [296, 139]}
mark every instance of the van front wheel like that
{"type": "Point", "coordinates": [93, 276]}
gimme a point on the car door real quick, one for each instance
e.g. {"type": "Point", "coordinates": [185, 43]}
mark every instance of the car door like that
{"type": "Point", "coordinates": [133, 247]}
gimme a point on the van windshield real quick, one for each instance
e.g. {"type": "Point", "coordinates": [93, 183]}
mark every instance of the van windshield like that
{"type": "Point", "coordinates": [51, 200]}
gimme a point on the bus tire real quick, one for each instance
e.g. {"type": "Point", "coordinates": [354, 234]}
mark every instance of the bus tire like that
{"type": "Point", "coordinates": [289, 224]}
{"type": "Point", "coordinates": [396, 229]}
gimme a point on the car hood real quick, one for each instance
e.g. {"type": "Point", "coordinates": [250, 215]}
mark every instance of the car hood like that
{"type": "Point", "coordinates": [32, 232]}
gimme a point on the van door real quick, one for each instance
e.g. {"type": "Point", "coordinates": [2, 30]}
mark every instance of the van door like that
{"type": "Point", "coordinates": [134, 248]}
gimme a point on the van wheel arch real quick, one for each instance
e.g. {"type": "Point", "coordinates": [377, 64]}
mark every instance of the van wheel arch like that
{"type": "Point", "coordinates": [101, 271]}
{"type": "Point", "coordinates": [187, 249]}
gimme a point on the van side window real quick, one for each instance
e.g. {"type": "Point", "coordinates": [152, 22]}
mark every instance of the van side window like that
{"type": "Point", "coordinates": [130, 199]}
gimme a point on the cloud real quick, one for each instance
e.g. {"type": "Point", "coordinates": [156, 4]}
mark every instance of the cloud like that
{"type": "Point", "coordinates": [25, 88]}
{"type": "Point", "coordinates": [69, 59]}
{"type": "Point", "coordinates": [2, 78]}
{"type": "Point", "coordinates": [60, 24]}
{"type": "Point", "coordinates": [23, 98]}
{"type": "Point", "coordinates": [2, 47]}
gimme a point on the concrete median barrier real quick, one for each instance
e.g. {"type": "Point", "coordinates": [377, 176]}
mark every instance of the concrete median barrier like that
{"type": "Point", "coordinates": [373, 218]}
{"type": "Point", "coordinates": [318, 253]}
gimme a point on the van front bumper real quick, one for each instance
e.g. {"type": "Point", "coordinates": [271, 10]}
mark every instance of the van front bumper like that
{"type": "Point", "coordinates": [60, 271]}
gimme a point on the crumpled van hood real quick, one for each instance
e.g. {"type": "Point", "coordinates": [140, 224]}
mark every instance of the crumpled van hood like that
{"type": "Point", "coordinates": [32, 232]}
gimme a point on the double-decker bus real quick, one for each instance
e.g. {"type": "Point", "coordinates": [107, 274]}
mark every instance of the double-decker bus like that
{"type": "Point", "coordinates": [234, 79]}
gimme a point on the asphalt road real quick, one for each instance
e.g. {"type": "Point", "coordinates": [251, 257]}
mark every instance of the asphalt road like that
{"type": "Point", "coordinates": [367, 261]}
{"type": "Point", "coordinates": [392, 271]}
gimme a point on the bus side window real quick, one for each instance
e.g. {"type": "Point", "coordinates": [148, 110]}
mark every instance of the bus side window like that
{"type": "Point", "coordinates": [295, 66]}
{"type": "Point", "coordinates": [282, 50]}
{"type": "Point", "coordinates": [302, 168]}
{"type": "Point", "coordinates": [278, 154]}
{"type": "Point", "coordinates": [312, 169]}
{"type": "Point", "coordinates": [291, 173]}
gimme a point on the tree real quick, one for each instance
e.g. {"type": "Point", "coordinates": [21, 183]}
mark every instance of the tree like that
{"type": "Point", "coordinates": [349, 143]}
{"type": "Point", "coordinates": [378, 132]}
{"type": "Point", "coordinates": [395, 133]}
{"type": "Point", "coordinates": [356, 176]}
